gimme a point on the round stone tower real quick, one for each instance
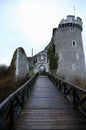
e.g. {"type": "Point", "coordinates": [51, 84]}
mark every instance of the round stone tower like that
{"type": "Point", "coordinates": [68, 44]}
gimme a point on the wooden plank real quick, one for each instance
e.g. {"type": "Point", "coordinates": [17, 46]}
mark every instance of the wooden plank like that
{"type": "Point", "coordinates": [48, 109]}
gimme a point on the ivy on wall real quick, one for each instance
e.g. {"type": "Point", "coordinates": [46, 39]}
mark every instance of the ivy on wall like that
{"type": "Point", "coordinates": [53, 60]}
{"type": "Point", "coordinates": [12, 66]}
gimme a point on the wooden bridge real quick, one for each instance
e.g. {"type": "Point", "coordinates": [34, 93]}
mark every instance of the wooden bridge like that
{"type": "Point", "coordinates": [58, 105]}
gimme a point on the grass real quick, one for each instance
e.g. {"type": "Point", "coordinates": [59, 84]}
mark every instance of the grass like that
{"type": "Point", "coordinates": [8, 84]}
{"type": "Point", "coordinates": [80, 82]}
{"type": "Point", "coordinates": [61, 76]}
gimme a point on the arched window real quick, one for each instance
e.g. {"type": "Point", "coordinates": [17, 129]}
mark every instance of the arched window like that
{"type": "Point", "coordinates": [42, 57]}
{"type": "Point", "coordinates": [73, 43]}
{"type": "Point", "coordinates": [72, 29]}
{"type": "Point", "coordinates": [73, 67]}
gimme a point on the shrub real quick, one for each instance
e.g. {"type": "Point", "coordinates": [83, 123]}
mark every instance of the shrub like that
{"type": "Point", "coordinates": [3, 71]}
{"type": "Point", "coordinates": [6, 87]}
{"type": "Point", "coordinates": [79, 81]}
{"type": "Point", "coordinates": [61, 76]}
{"type": "Point", "coordinates": [8, 84]}
{"type": "Point", "coordinates": [53, 60]}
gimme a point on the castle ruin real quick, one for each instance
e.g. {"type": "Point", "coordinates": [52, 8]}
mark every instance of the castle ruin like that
{"type": "Point", "coordinates": [67, 43]}
{"type": "Point", "coordinates": [67, 40]}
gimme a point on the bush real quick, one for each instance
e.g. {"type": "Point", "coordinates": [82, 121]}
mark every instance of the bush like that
{"type": "Point", "coordinates": [3, 71]}
{"type": "Point", "coordinates": [8, 84]}
{"type": "Point", "coordinates": [80, 82]}
{"type": "Point", "coordinates": [61, 76]}
{"type": "Point", "coordinates": [6, 87]}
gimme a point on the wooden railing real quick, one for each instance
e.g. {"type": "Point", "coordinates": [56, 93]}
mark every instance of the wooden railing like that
{"type": "Point", "coordinates": [75, 94]}
{"type": "Point", "coordinates": [12, 105]}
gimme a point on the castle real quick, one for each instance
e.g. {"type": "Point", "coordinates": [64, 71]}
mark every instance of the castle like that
{"type": "Point", "coordinates": [67, 39]}
{"type": "Point", "coordinates": [67, 42]}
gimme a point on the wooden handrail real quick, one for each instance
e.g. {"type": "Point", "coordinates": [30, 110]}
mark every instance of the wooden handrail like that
{"type": "Point", "coordinates": [75, 94]}
{"type": "Point", "coordinates": [12, 105]}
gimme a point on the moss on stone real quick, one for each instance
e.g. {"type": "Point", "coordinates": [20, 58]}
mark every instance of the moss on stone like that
{"type": "Point", "coordinates": [12, 66]}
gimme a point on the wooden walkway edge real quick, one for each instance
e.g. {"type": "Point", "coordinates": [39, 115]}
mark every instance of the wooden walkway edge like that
{"type": "Point", "coordinates": [48, 109]}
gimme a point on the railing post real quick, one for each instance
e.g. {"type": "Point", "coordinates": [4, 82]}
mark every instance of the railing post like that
{"type": "Point", "coordinates": [56, 83]}
{"type": "Point", "coordinates": [74, 98]}
{"type": "Point", "coordinates": [11, 115]}
{"type": "Point", "coordinates": [27, 91]}
{"type": "Point", "coordinates": [23, 97]}
{"type": "Point", "coordinates": [59, 85]}
{"type": "Point", "coordinates": [64, 89]}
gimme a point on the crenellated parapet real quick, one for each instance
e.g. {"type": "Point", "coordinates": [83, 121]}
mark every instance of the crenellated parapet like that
{"type": "Point", "coordinates": [71, 21]}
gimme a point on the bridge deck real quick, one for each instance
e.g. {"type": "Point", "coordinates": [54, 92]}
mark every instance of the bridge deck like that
{"type": "Point", "coordinates": [48, 109]}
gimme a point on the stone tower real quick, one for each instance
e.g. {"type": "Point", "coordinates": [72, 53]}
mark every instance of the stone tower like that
{"type": "Point", "coordinates": [67, 39]}
{"type": "Point", "coordinates": [19, 64]}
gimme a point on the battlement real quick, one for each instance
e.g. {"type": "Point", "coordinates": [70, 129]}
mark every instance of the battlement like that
{"type": "Point", "coordinates": [71, 21]}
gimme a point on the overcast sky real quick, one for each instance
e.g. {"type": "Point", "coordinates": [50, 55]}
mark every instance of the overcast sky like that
{"type": "Point", "coordinates": [29, 24]}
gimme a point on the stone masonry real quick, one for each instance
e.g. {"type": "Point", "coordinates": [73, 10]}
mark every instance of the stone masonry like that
{"type": "Point", "coordinates": [67, 39]}
{"type": "Point", "coordinates": [22, 65]}
{"type": "Point", "coordinates": [67, 42]}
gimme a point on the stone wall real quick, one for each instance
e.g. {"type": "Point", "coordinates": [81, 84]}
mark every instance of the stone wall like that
{"type": "Point", "coordinates": [19, 63]}
{"type": "Point", "coordinates": [67, 39]}
{"type": "Point", "coordinates": [41, 60]}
